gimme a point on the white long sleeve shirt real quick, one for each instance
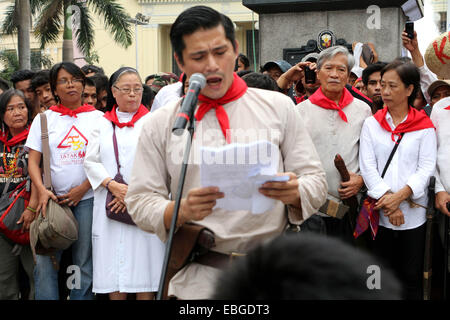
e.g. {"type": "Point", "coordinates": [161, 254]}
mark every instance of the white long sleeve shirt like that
{"type": "Point", "coordinates": [166, 95]}
{"type": "Point", "coordinates": [413, 164]}
{"type": "Point", "coordinates": [426, 79]}
{"type": "Point", "coordinates": [441, 120]}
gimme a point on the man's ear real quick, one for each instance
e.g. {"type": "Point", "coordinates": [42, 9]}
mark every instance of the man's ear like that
{"type": "Point", "coordinates": [177, 59]}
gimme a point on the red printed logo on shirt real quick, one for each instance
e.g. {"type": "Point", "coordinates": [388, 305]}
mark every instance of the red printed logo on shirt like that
{"type": "Point", "coordinates": [74, 140]}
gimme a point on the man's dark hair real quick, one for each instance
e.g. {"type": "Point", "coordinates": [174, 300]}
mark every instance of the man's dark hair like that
{"type": "Point", "coordinates": [71, 68]}
{"type": "Point", "coordinates": [101, 82]}
{"type": "Point", "coordinates": [21, 75]}
{"type": "Point", "coordinates": [4, 85]}
{"type": "Point", "coordinates": [376, 67]}
{"type": "Point", "coordinates": [403, 59]}
{"type": "Point", "coordinates": [261, 81]}
{"type": "Point", "coordinates": [90, 82]}
{"type": "Point", "coordinates": [40, 78]}
{"type": "Point", "coordinates": [305, 266]}
{"type": "Point", "coordinates": [88, 68]}
{"type": "Point", "coordinates": [243, 72]}
{"type": "Point", "coordinates": [243, 58]}
{"type": "Point", "coordinates": [147, 96]}
{"type": "Point", "coordinates": [6, 96]}
{"type": "Point", "coordinates": [195, 18]}
{"type": "Point", "coordinates": [152, 76]}
{"type": "Point", "coordinates": [408, 73]}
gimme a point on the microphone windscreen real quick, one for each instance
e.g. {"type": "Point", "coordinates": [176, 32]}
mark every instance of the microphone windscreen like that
{"type": "Point", "coordinates": [199, 78]}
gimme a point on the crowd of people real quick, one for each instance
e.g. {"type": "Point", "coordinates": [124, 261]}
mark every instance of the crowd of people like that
{"type": "Point", "coordinates": [385, 120]}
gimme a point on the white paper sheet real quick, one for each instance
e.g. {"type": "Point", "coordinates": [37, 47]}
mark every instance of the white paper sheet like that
{"type": "Point", "coordinates": [238, 170]}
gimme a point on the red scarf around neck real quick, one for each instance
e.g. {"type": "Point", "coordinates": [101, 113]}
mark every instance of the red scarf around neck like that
{"type": "Point", "coordinates": [319, 99]}
{"type": "Point", "coordinates": [14, 140]}
{"type": "Point", "coordinates": [416, 120]}
{"type": "Point", "coordinates": [72, 113]}
{"type": "Point", "coordinates": [448, 108]}
{"type": "Point", "coordinates": [238, 89]}
{"type": "Point", "coordinates": [112, 116]}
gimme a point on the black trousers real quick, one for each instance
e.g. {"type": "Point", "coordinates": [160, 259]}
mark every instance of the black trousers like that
{"type": "Point", "coordinates": [331, 227]}
{"type": "Point", "coordinates": [403, 252]}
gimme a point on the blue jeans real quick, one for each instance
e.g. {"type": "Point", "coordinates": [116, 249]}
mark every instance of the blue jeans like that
{"type": "Point", "coordinates": [46, 277]}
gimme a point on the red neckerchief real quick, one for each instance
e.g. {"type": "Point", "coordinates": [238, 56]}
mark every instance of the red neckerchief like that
{"type": "Point", "coordinates": [14, 140]}
{"type": "Point", "coordinates": [301, 99]}
{"type": "Point", "coordinates": [448, 108]}
{"type": "Point", "coordinates": [416, 120]}
{"type": "Point", "coordinates": [112, 116]}
{"type": "Point", "coordinates": [238, 89]}
{"type": "Point", "coordinates": [72, 113]}
{"type": "Point", "coordinates": [319, 99]}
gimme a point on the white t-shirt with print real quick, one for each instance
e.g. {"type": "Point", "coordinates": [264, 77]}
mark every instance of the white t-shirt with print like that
{"type": "Point", "coordinates": [68, 138]}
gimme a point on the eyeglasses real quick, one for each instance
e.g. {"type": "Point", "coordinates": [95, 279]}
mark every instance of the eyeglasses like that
{"type": "Point", "coordinates": [66, 81]}
{"type": "Point", "coordinates": [128, 90]}
{"type": "Point", "coordinates": [18, 107]}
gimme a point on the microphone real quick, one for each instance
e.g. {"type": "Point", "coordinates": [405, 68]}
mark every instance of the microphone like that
{"type": "Point", "coordinates": [196, 83]}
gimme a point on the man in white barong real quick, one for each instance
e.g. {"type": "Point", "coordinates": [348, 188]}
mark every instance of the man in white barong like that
{"type": "Point", "coordinates": [440, 116]}
{"type": "Point", "coordinates": [334, 118]}
{"type": "Point", "coordinates": [204, 42]}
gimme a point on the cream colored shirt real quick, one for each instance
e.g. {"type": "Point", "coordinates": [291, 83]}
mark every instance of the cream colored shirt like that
{"type": "Point", "coordinates": [257, 115]}
{"type": "Point", "coordinates": [332, 135]}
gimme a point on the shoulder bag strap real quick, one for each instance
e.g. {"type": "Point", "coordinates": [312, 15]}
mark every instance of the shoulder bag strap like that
{"type": "Point", "coordinates": [116, 151]}
{"type": "Point", "coordinates": [392, 154]}
{"type": "Point", "coordinates": [45, 152]}
{"type": "Point", "coordinates": [5, 189]}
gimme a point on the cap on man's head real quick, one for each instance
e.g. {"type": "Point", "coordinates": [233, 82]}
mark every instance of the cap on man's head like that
{"type": "Point", "coordinates": [311, 57]}
{"type": "Point", "coordinates": [437, 84]}
{"type": "Point", "coordinates": [283, 65]}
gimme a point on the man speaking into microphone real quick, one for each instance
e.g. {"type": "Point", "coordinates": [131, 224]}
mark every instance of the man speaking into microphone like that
{"type": "Point", "coordinates": [227, 112]}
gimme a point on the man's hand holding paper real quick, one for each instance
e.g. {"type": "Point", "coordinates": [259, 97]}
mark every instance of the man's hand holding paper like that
{"type": "Point", "coordinates": [199, 203]}
{"type": "Point", "coordinates": [287, 192]}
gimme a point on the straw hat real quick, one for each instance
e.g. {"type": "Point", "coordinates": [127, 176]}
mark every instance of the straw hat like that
{"type": "Point", "coordinates": [437, 56]}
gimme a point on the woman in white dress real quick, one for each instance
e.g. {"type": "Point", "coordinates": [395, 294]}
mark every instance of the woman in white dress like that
{"type": "Point", "coordinates": [125, 258]}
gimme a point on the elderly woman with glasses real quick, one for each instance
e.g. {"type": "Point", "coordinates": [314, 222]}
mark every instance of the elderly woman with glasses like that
{"type": "Point", "coordinates": [69, 127]}
{"type": "Point", "coordinates": [125, 258]}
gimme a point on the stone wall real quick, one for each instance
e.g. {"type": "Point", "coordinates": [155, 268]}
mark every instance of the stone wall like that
{"type": "Point", "coordinates": [293, 30]}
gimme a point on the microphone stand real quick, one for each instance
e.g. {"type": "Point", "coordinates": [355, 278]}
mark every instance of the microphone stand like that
{"type": "Point", "coordinates": [191, 129]}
